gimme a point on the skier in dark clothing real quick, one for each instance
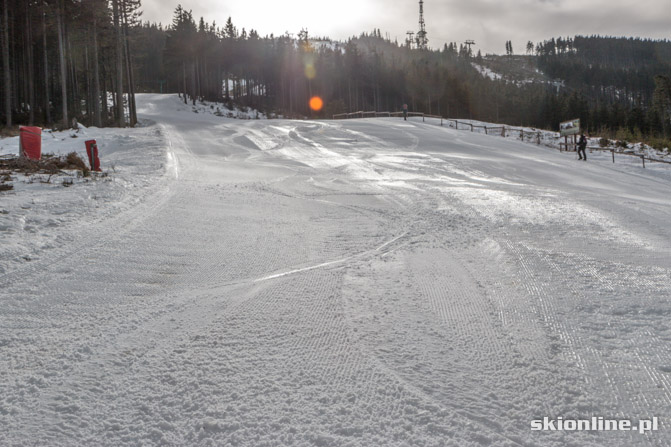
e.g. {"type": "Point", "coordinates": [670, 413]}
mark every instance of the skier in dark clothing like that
{"type": "Point", "coordinates": [405, 112]}
{"type": "Point", "coordinates": [582, 144]}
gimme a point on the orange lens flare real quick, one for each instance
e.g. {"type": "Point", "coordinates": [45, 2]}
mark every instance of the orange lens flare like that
{"type": "Point", "coordinates": [316, 103]}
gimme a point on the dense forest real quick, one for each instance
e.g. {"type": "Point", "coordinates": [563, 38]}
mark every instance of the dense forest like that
{"type": "Point", "coordinates": [626, 82]}
{"type": "Point", "coordinates": [67, 59]}
{"type": "Point", "coordinates": [64, 59]}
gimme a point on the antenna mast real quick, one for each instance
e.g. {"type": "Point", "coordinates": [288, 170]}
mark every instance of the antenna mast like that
{"type": "Point", "coordinates": [468, 43]}
{"type": "Point", "coordinates": [410, 39]}
{"type": "Point", "coordinates": [422, 41]}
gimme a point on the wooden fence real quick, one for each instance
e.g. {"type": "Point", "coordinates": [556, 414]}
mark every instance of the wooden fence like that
{"type": "Point", "coordinates": [488, 130]}
{"type": "Point", "coordinates": [629, 154]}
{"type": "Point", "coordinates": [503, 131]}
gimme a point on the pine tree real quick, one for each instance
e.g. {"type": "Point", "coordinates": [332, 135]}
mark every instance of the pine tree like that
{"type": "Point", "coordinates": [130, 16]}
{"type": "Point", "coordinates": [530, 48]}
{"type": "Point", "coordinates": [230, 31]}
{"type": "Point", "coordinates": [180, 46]}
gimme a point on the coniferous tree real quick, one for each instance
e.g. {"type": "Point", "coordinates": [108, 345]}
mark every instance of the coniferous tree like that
{"type": "Point", "coordinates": [58, 61]}
{"type": "Point", "coordinates": [530, 47]}
{"type": "Point", "coordinates": [130, 15]}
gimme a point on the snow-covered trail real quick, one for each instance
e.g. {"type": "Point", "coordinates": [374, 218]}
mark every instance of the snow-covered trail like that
{"type": "Point", "coordinates": [363, 283]}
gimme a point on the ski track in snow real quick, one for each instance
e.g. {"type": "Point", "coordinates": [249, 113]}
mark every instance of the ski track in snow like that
{"type": "Point", "coordinates": [358, 283]}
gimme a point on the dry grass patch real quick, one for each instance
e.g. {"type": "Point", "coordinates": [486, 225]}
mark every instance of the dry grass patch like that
{"type": "Point", "coordinates": [7, 132]}
{"type": "Point", "coordinates": [49, 164]}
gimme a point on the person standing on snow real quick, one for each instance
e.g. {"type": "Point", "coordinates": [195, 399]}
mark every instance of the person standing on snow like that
{"type": "Point", "coordinates": [582, 144]}
{"type": "Point", "coordinates": [405, 112]}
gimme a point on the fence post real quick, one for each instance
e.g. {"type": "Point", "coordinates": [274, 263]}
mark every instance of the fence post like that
{"type": "Point", "coordinates": [643, 160]}
{"type": "Point", "coordinates": [471, 126]}
{"type": "Point", "coordinates": [422, 117]}
{"type": "Point", "coordinates": [612, 151]}
{"type": "Point", "coordinates": [486, 131]}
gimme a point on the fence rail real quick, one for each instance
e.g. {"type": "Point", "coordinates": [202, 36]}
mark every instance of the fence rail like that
{"type": "Point", "coordinates": [503, 131]}
{"type": "Point", "coordinates": [362, 114]}
{"type": "Point", "coordinates": [630, 154]}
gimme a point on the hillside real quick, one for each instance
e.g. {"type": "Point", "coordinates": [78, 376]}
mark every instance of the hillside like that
{"type": "Point", "coordinates": [517, 69]}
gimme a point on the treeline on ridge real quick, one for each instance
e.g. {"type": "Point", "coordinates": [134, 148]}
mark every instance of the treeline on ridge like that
{"type": "Point", "coordinates": [64, 59]}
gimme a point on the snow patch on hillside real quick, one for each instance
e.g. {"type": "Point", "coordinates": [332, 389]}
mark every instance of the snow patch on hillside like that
{"type": "Point", "coordinates": [487, 73]}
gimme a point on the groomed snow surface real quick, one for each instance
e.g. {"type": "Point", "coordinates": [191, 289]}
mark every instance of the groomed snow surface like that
{"type": "Point", "coordinates": [367, 282]}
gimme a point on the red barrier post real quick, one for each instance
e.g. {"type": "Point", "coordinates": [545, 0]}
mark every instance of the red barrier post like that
{"type": "Point", "coordinates": [30, 142]}
{"type": "Point", "coordinates": [92, 152]}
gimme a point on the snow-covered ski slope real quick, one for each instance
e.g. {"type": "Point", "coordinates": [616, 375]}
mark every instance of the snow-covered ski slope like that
{"type": "Point", "coordinates": [353, 283]}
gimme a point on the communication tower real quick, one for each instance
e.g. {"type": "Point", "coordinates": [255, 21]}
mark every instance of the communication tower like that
{"type": "Point", "coordinates": [422, 41]}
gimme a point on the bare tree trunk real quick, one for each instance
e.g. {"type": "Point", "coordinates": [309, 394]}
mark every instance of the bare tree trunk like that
{"type": "Point", "coordinates": [184, 79]}
{"type": "Point", "coordinates": [129, 70]}
{"type": "Point", "coordinates": [349, 93]}
{"type": "Point", "coordinates": [131, 90]}
{"type": "Point", "coordinates": [5, 65]}
{"type": "Point", "coordinates": [96, 78]}
{"type": "Point", "coordinates": [89, 88]}
{"type": "Point", "coordinates": [121, 121]}
{"type": "Point", "coordinates": [64, 80]}
{"type": "Point", "coordinates": [218, 82]}
{"type": "Point", "coordinates": [47, 102]}
{"type": "Point", "coordinates": [73, 75]}
{"type": "Point", "coordinates": [30, 67]}
{"type": "Point", "coordinates": [196, 74]}
{"type": "Point", "coordinates": [104, 98]}
{"type": "Point", "coordinates": [193, 83]}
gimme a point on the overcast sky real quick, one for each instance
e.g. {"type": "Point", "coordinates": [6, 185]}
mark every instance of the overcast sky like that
{"type": "Point", "coordinates": [489, 22]}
